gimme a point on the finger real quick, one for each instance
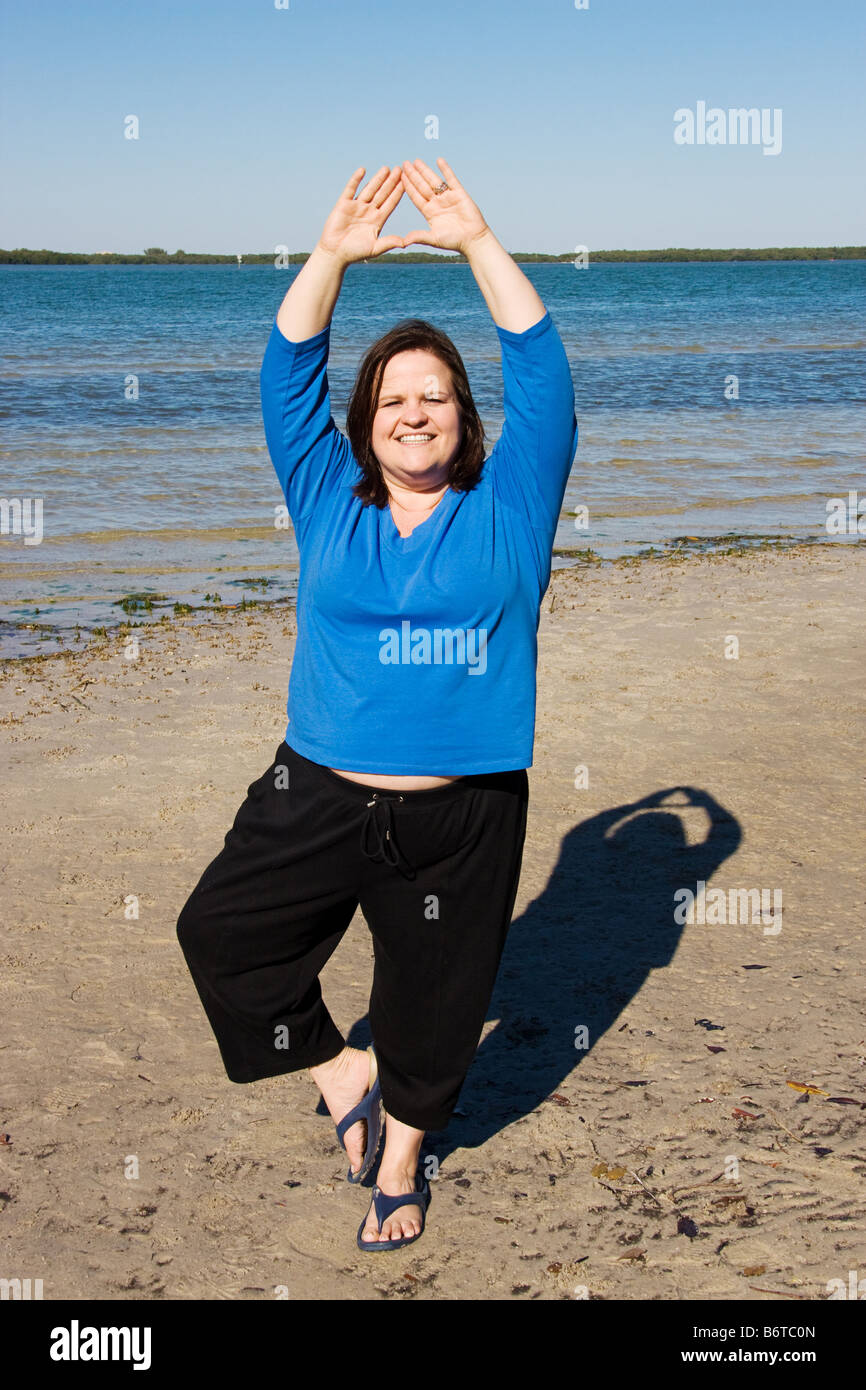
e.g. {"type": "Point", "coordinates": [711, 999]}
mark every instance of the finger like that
{"type": "Point", "coordinates": [393, 184]}
{"type": "Point", "coordinates": [425, 238]}
{"type": "Point", "coordinates": [351, 186]}
{"type": "Point", "coordinates": [366, 194]}
{"type": "Point", "coordinates": [386, 208]}
{"type": "Point", "coordinates": [420, 203]}
{"type": "Point", "coordinates": [386, 243]}
{"type": "Point", "coordinates": [423, 207]}
{"type": "Point", "coordinates": [433, 179]}
{"type": "Point", "coordinates": [449, 175]}
{"type": "Point", "coordinates": [416, 187]}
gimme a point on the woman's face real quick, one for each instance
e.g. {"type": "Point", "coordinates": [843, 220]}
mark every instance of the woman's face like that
{"type": "Point", "coordinates": [417, 426]}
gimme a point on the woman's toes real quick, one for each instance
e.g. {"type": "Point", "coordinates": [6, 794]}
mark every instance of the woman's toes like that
{"type": "Point", "coordinates": [371, 1230]}
{"type": "Point", "coordinates": [397, 1227]}
{"type": "Point", "coordinates": [401, 1227]}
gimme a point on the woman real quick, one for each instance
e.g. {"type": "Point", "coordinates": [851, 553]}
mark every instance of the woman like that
{"type": "Point", "coordinates": [401, 784]}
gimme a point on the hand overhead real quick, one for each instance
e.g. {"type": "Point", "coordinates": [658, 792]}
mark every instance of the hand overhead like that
{"type": "Point", "coordinates": [454, 220]}
{"type": "Point", "coordinates": [352, 231]}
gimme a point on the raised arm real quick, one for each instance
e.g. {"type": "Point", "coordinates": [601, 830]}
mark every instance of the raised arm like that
{"type": "Point", "coordinates": [456, 224]}
{"type": "Point", "coordinates": [351, 233]}
{"type": "Point", "coordinates": [308, 452]}
{"type": "Point", "coordinates": [532, 458]}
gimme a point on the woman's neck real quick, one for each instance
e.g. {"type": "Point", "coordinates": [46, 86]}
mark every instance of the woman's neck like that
{"type": "Point", "coordinates": [416, 501]}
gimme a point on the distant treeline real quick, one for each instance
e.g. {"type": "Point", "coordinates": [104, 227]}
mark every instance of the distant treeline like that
{"type": "Point", "coordinates": [155, 255]}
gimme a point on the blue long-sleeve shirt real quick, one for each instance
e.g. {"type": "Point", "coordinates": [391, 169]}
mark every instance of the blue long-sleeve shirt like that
{"type": "Point", "coordinates": [418, 654]}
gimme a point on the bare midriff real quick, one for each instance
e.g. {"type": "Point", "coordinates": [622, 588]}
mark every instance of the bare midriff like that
{"type": "Point", "coordinates": [418, 783]}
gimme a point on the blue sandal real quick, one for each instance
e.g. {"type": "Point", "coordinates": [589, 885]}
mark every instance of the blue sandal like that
{"type": "Point", "coordinates": [385, 1206]}
{"type": "Point", "coordinates": [369, 1109]}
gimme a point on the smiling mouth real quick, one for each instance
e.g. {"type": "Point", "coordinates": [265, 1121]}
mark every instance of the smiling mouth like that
{"type": "Point", "coordinates": [411, 440]}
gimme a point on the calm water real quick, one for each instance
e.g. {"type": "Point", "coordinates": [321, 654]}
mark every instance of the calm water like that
{"type": "Point", "coordinates": [175, 494]}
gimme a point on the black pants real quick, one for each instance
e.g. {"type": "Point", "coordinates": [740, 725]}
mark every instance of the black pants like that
{"type": "Point", "coordinates": [435, 873]}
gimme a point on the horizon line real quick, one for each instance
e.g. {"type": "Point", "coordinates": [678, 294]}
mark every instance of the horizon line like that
{"type": "Point", "coordinates": [157, 255]}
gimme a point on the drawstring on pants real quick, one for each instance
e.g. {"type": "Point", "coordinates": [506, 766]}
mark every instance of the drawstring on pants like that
{"type": "Point", "coordinates": [385, 849]}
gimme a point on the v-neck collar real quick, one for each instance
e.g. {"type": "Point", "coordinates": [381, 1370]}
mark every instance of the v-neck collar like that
{"type": "Point", "coordinates": [403, 545]}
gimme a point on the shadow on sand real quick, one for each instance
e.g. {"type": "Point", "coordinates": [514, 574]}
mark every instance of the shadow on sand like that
{"type": "Point", "coordinates": [582, 950]}
{"type": "Point", "coordinates": [580, 953]}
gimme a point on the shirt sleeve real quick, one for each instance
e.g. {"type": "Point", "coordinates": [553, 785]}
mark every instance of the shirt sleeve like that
{"type": "Point", "coordinates": [531, 460]}
{"type": "Point", "coordinates": [310, 455]}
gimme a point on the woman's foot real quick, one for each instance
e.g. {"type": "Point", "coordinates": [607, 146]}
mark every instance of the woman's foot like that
{"type": "Point", "coordinates": [396, 1175]}
{"type": "Point", "coordinates": [344, 1082]}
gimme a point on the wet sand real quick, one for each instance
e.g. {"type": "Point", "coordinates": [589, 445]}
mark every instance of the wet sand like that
{"type": "Point", "coordinates": [662, 1155]}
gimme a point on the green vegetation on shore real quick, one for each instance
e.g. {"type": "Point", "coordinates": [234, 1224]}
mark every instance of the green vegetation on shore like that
{"type": "Point", "coordinates": [155, 255]}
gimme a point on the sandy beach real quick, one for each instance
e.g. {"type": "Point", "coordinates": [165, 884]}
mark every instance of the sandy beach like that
{"type": "Point", "coordinates": [662, 1154]}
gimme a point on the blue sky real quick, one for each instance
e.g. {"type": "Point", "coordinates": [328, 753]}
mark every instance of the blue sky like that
{"type": "Point", "coordinates": [558, 121]}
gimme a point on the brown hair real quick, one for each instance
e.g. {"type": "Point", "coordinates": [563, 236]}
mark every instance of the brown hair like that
{"type": "Point", "coordinates": [405, 336]}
